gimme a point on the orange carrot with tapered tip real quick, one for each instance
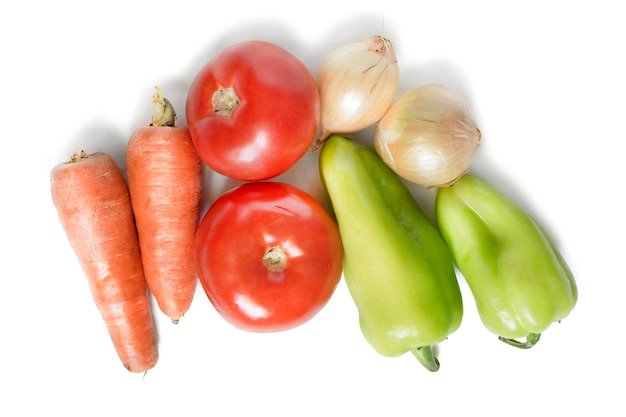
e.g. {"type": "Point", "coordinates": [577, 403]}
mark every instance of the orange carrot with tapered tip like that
{"type": "Point", "coordinates": [93, 205]}
{"type": "Point", "coordinates": [165, 181]}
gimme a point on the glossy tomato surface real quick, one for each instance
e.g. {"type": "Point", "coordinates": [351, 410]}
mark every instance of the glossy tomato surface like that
{"type": "Point", "coordinates": [269, 123]}
{"type": "Point", "coordinates": [260, 218]}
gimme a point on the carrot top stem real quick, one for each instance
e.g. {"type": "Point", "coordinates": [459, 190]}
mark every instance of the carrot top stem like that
{"type": "Point", "coordinates": [163, 113]}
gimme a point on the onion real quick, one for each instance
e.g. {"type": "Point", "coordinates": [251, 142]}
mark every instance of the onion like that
{"type": "Point", "coordinates": [358, 82]}
{"type": "Point", "coordinates": [428, 136]}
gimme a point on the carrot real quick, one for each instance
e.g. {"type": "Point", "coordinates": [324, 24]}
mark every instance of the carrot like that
{"type": "Point", "coordinates": [93, 205]}
{"type": "Point", "coordinates": [165, 182]}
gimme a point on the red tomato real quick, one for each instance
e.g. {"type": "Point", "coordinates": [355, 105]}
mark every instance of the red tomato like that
{"type": "Point", "coordinates": [268, 256]}
{"type": "Point", "coordinates": [253, 111]}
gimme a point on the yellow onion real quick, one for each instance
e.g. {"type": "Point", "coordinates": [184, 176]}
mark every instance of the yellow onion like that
{"type": "Point", "coordinates": [358, 82]}
{"type": "Point", "coordinates": [428, 136]}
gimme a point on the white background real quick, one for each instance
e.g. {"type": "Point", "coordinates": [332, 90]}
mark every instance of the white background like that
{"type": "Point", "coordinates": [546, 83]}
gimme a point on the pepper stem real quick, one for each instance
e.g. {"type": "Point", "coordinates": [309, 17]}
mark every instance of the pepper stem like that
{"type": "Point", "coordinates": [531, 340]}
{"type": "Point", "coordinates": [426, 357]}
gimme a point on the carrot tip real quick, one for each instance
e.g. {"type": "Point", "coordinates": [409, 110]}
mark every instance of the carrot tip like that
{"type": "Point", "coordinates": [78, 156]}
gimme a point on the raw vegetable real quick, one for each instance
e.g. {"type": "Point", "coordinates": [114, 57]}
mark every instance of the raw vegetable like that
{"type": "Point", "coordinates": [519, 280]}
{"type": "Point", "coordinates": [428, 136]}
{"type": "Point", "coordinates": [253, 111]}
{"type": "Point", "coordinates": [396, 265]}
{"type": "Point", "coordinates": [357, 83]}
{"type": "Point", "coordinates": [93, 205]}
{"type": "Point", "coordinates": [268, 256]}
{"type": "Point", "coordinates": [165, 182]}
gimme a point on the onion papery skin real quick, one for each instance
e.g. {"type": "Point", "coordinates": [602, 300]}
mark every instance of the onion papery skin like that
{"type": "Point", "coordinates": [428, 136]}
{"type": "Point", "coordinates": [358, 82]}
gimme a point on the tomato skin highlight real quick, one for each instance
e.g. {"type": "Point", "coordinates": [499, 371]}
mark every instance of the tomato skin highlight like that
{"type": "Point", "coordinates": [233, 238]}
{"type": "Point", "coordinates": [275, 121]}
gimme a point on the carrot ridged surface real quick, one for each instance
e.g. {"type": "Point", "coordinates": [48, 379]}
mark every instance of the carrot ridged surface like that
{"type": "Point", "coordinates": [165, 181]}
{"type": "Point", "coordinates": [93, 205]}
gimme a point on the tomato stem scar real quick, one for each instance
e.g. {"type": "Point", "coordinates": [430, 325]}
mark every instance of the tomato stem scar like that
{"type": "Point", "coordinates": [274, 259]}
{"type": "Point", "coordinates": [224, 101]}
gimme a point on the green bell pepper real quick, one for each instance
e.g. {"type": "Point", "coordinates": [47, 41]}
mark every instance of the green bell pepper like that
{"type": "Point", "coordinates": [518, 278]}
{"type": "Point", "coordinates": [397, 268]}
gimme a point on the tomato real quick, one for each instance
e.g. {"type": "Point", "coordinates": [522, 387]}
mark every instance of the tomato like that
{"type": "Point", "coordinates": [268, 256]}
{"type": "Point", "coordinates": [253, 111]}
